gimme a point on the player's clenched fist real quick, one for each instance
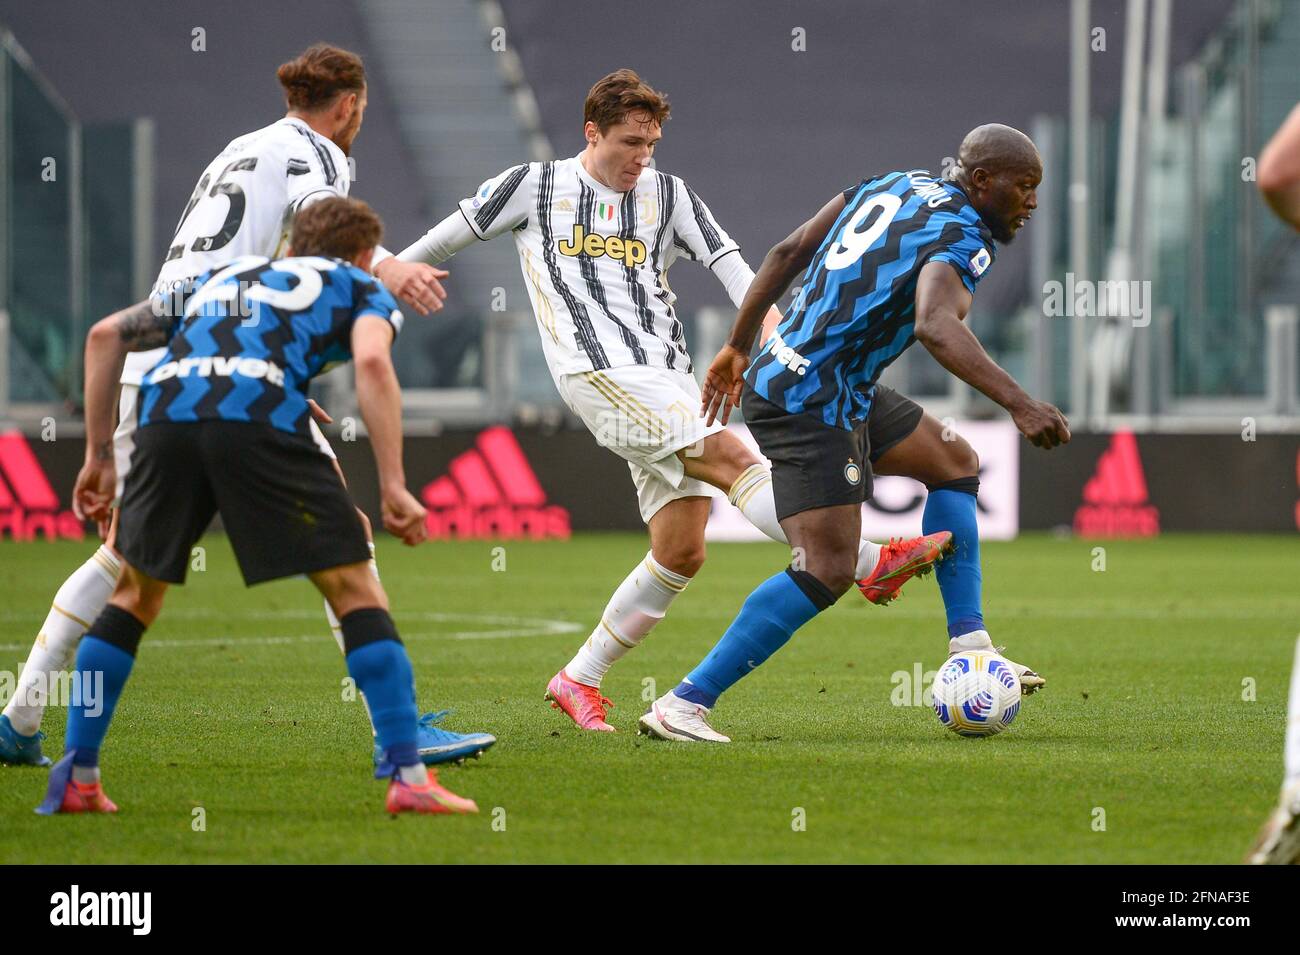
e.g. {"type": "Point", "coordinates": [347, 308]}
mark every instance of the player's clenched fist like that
{"type": "Point", "coordinates": [415, 283]}
{"type": "Point", "coordinates": [1042, 423]}
{"type": "Point", "coordinates": [92, 497]}
{"type": "Point", "coordinates": [404, 516]}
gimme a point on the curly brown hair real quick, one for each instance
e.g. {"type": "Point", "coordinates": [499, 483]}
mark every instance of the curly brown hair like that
{"type": "Point", "coordinates": [318, 74]}
{"type": "Point", "coordinates": [336, 228]}
{"type": "Point", "coordinates": [620, 94]}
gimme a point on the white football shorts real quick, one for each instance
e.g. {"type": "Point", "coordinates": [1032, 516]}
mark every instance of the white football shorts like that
{"type": "Point", "coordinates": [645, 415]}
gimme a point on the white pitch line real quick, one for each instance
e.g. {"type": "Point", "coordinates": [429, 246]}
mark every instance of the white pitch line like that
{"type": "Point", "coordinates": [524, 627]}
{"type": "Point", "coordinates": [544, 625]}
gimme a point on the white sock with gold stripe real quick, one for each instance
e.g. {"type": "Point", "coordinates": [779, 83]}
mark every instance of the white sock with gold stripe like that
{"type": "Point", "coordinates": [637, 605]}
{"type": "Point", "coordinates": [76, 605]}
{"type": "Point", "coordinates": [752, 494]}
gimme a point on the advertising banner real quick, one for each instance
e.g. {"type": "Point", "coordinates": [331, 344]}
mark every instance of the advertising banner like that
{"type": "Point", "coordinates": [545, 484]}
{"type": "Point", "coordinates": [898, 502]}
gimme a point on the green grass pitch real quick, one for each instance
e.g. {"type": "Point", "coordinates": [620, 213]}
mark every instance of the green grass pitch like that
{"type": "Point", "coordinates": [1147, 725]}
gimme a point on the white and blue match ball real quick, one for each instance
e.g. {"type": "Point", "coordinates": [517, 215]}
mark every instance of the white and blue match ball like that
{"type": "Point", "coordinates": [976, 693]}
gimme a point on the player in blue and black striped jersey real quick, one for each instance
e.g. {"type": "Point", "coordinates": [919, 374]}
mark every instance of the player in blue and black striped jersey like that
{"type": "Point", "coordinates": [892, 260]}
{"type": "Point", "coordinates": [253, 334]}
{"type": "Point", "coordinates": [223, 428]}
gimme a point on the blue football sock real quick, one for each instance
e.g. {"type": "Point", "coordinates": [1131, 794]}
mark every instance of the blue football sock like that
{"type": "Point", "coordinates": [101, 671]}
{"type": "Point", "coordinates": [770, 615]}
{"type": "Point", "coordinates": [378, 663]}
{"type": "Point", "coordinates": [951, 507]}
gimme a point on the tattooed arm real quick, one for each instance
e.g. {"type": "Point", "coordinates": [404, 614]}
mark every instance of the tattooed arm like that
{"type": "Point", "coordinates": [137, 328]}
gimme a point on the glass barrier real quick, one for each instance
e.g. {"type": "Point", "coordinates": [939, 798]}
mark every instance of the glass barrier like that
{"type": "Point", "coordinates": [69, 227]}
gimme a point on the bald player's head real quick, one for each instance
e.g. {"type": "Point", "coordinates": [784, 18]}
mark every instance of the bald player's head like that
{"type": "Point", "coordinates": [999, 169]}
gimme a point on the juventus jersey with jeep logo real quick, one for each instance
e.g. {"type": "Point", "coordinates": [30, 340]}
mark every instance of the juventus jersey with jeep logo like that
{"type": "Point", "coordinates": [243, 205]}
{"type": "Point", "coordinates": [595, 260]}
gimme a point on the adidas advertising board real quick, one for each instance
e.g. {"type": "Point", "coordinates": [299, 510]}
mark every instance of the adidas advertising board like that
{"type": "Point", "coordinates": [29, 507]}
{"type": "Point", "coordinates": [896, 506]}
{"type": "Point", "coordinates": [509, 483]}
{"type": "Point", "coordinates": [1129, 484]}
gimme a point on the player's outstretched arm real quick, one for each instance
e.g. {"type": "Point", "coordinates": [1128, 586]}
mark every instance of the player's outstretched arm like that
{"type": "Point", "coordinates": [498, 206]}
{"type": "Point", "coordinates": [419, 286]}
{"type": "Point", "coordinates": [411, 273]}
{"type": "Point", "coordinates": [1279, 170]}
{"type": "Point", "coordinates": [942, 302]}
{"type": "Point", "coordinates": [380, 398]}
{"type": "Point", "coordinates": [723, 381]}
{"type": "Point", "coordinates": [415, 283]}
{"type": "Point", "coordinates": [441, 242]}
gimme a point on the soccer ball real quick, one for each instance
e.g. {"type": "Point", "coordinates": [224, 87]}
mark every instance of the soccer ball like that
{"type": "Point", "coordinates": [976, 693]}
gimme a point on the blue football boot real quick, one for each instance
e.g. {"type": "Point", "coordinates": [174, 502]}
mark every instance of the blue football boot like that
{"type": "Point", "coordinates": [26, 750]}
{"type": "Point", "coordinates": [438, 745]}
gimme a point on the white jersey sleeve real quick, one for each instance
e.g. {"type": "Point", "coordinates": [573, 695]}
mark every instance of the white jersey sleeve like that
{"type": "Point", "coordinates": [695, 232]}
{"type": "Point", "coordinates": [313, 171]}
{"type": "Point", "coordinates": [734, 273]}
{"type": "Point", "coordinates": [502, 203]}
{"type": "Point", "coordinates": [441, 242]}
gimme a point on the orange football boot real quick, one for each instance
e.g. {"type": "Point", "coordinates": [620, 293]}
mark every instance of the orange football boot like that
{"type": "Point", "coordinates": [900, 561]}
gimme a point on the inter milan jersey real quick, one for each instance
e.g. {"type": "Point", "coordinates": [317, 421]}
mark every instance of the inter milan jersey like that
{"type": "Point", "coordinates": [856, 310]}
{"type": "Point", "coordinates": [253, 335]}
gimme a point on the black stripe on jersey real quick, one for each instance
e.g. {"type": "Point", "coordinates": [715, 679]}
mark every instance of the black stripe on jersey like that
{"type": "Point", "coordinates": [264, 405]}
{"type": "Point", "coordinates": [667, 201]}
{"type": "Point", "coordinates": [711, 238]}
{"type": "Point", "coordinates": [298, 167]}
{"type": "Point", "coordinates": [887, 319]}
{"type": "Point", "coordinates": [492, 208]}
{"type": "Point", "coordinates": [869, 263]}
{"type": "Point", "coordinates": [303, 201]}
{"type": "Point", "coordinates": [667, 205]}
{"type": "Point", "coordinates": [170, 388]}
{"type": "Point", "coordinates": [219, 386]}
{"type": "Point", "coordinates": [634, 286]}
{"type": "Point", "coordinates": [587, 265]}
{"type": "Point", "coordinates": [470, 224]}
{"type": "Point", "coordinates": [584, 334]}
{"type": "Point", "coordinates": [685, 249]}
{"type": "Point", "coordinates": [635, 289]}
{"type": "Point", "coordinates": [327, 164]}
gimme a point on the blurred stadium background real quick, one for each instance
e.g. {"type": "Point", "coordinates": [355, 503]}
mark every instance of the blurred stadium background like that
{"type": "Point", "coordinates": [1149, 114]}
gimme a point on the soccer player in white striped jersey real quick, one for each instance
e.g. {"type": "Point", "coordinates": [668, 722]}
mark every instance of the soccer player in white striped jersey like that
{"type": "Point", "coordinates": [242, 205]}
{"type": "Point", "coordinates": [596, 234]}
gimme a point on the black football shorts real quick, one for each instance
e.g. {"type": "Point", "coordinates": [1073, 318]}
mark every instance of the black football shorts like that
{"type": "Point", "coordinates": [281, 502]}
{"type": "Point", "coordinates": [817, 465]}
